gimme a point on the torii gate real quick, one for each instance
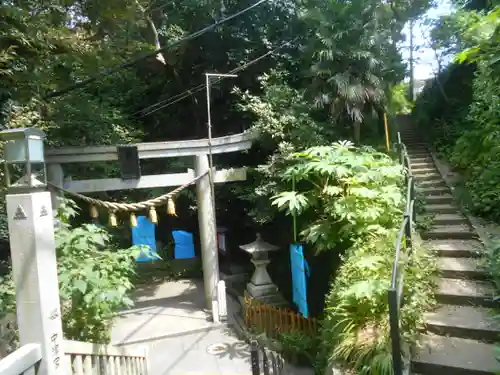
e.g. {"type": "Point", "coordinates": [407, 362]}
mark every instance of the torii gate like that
{"type": "Point", "coordinates": [200, 149]}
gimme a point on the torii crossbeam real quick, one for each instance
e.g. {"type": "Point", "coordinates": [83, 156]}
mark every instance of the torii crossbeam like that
{"type": "Point", "coordinates": [199, 149]}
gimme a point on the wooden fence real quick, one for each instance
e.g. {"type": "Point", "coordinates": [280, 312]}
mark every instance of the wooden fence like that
{"type": "Point", "coordinates": [274, 320]}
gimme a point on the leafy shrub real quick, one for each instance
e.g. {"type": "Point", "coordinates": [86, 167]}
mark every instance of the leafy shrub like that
{"type": "Point", "coordinates": [477, 151]}
{"type": "Point", "coordinates": [94, 279]}
{"type": "Point", "coordinates": [298, 347]}
{"type": "Point", "coordinates": [347, 192]}
{"type": "Point", "coordinates": [355, 330]}
{"type": "Point", "coordinates": [355, 196]}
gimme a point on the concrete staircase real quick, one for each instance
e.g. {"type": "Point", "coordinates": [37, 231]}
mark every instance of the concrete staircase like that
{"type": "Point", "coordinates": [460, 332]}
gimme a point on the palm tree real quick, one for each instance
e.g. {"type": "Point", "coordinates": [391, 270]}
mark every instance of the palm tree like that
{"type": "Point", "coordinates": [346, 67]}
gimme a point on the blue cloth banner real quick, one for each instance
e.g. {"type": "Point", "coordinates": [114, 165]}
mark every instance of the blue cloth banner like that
{"type": "Point", "coordinates": [184, 244]}
{"type": "Point", "coordinates": [144, 235]}
{"type": "Point", "coordinates": [299, 270]}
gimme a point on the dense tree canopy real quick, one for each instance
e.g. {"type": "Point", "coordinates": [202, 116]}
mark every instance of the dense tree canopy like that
{"type": "Point", "coordinates": [338, 58]}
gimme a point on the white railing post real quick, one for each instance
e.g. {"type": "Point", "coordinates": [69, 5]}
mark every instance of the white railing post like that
{"type": "Point", "coordinates": [31, 230]}
{"type": "Point", "coordinates": [221, 293]}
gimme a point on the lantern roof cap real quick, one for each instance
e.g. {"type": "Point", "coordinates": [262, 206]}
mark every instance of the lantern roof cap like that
{"type": "Point", "coordinates": [16, 133]}
{"type": "Point", "coordinates": [258, 246]}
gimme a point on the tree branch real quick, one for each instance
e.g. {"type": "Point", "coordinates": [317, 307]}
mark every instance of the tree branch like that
{"type": "Point", "coordinates": [156, 36]}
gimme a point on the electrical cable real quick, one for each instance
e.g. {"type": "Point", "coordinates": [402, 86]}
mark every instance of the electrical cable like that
{"type": "Point", "coordinates": [193, 90]}
{"type": "Point", "coordinates": [130, 63]}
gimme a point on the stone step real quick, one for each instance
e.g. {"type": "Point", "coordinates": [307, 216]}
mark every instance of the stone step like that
{"type": "Point", "coordinates": [449, 219]}
{"type": "Point", "coordinates": [417, 170]}
{"type": "Point", "coordinates": [442, 208]}
{"type": "Point", "coordinates": [417, 167]}
{"type": "Point", "coordinates": [460, 268]}
{"type": "Point", "coordinates": [428, 177]}
{"type": "Point", "coordinates": [455, 232]}
{"type": "Point", "coordinates": [438, 190]}
{"type": "Point", "coordinates": [468, 322]}
{"type": "Point", "coordinates": [439, 199]}
{"type": "Point", "coordinates": [441, 355]}
{"type": "Point", "coordinates": [419, 155]}
{"type": "Point", "coordinates": [417, 159]}
{"type": "Point", "coordinates": [465, 292]}
{"type": "Point", "coordinates": [431, 184]}
{"type": "Point", "coordinates": [416, 148]}
{"type": "Point", "coordinates": [456, 248]}
{"type": "Point", "coordinates": [421, 160]}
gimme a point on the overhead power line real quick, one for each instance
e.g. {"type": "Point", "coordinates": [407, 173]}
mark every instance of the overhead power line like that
{"type": "Point", "coordinates": [177, 98]}
{"type": "Point", "coordinates": [130, 63]}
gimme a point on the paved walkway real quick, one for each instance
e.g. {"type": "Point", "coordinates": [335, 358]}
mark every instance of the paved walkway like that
{"type": "Point", "coordinates": [190, 354]}
{"type": "Point", "coordinates": [161, 310]}
{"type": "Point", "coordinates": [215, 352]}
{"type": "Point", "coordinates": [160, 319]}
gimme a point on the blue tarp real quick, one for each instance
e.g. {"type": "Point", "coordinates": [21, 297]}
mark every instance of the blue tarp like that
{"type": "Point", "coordinates": [184, 244]}
{"type": "Point", "coordinates": [300, 269]}
{"type": "Point", "coordinates": [144, 234]}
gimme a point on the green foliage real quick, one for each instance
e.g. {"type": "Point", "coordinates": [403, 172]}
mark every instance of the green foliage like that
{"type": "Point", "coordinates": [466, 130]}
{"type": "Point", "coordinates": [492, 262]}
{"type": "Point", "coordinates": [350, 193]}
{"type": "Point", "coordinates": [353, 54]}
{"type": "Point", "coordinates": [94, 279]}
{"type": "Point", "coordinates": [298, 347]}
{"type": "Point", "coordinates": [355, 195]}
{"type": "Point", "coordinates": [492, 267]}
{"type": "Point", "coordinates": [7, 295]}
{"type": "Point", "coordinates": [285, 123]}
{"type": "Point", "coordinates": [355, 330]}
{"type": "Point", "coordinates": [398, 102]}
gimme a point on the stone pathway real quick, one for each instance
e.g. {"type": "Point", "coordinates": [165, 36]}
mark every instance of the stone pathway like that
{"type": "Point", "coordinates": [161, 310]}
{"type": "Point", "coordinates": [170, 320]}
{"type": "Point", "coordinates": [460, 332]}
{"type": "Point", "coordinates": [214, 352]}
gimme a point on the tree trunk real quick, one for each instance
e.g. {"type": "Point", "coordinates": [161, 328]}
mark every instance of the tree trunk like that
{"type": "Point", "coordinates": [380, 122]}
{"type": "Point", "coordinates": [357, 132]}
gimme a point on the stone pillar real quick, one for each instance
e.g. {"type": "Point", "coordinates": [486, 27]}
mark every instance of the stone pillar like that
{"type": "Point", "coordinates": [208, 232]}
{"type": "Point", "coordinates": [34, 269]}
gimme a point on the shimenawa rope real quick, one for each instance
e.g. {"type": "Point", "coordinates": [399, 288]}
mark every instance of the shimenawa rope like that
{"type": "Point", "coordinates": [149, 204]}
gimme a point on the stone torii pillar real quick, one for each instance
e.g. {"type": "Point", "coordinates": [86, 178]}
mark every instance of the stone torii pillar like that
{"type": "Point", "coordinates": [208, 230]}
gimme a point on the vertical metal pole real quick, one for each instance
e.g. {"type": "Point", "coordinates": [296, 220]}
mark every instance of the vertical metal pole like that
{"type": "Point", "coordinates": [209, 125]}
{"type": "Point", "coordinates": [412, 194]}
{"type": "Point", "coordinates": [34, 269]}
{"type": "Point", "coordinates": [397, 360]}
{"type": "Point", "coordinates": [412, 73]}
{"type": "Point", "coordinates": [408, 230]}
{"type": "Point", "coordinates": [254, 357]}
{"type": "Point", "coordinates": [400, 148]}
{"type": "Point", "coordinates": [215, 299]}
{"type": "Point", "coordinates": [387, 137]}
{"type": "Point", "coordinates": [265, 362]}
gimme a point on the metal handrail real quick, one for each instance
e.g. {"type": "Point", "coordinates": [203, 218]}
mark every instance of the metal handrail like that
{"type": "Point", "coordinates": [403, 242]}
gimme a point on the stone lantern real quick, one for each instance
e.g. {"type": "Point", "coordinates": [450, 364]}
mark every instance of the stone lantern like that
{"type": "Point", "coordinates": [261, 287]}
